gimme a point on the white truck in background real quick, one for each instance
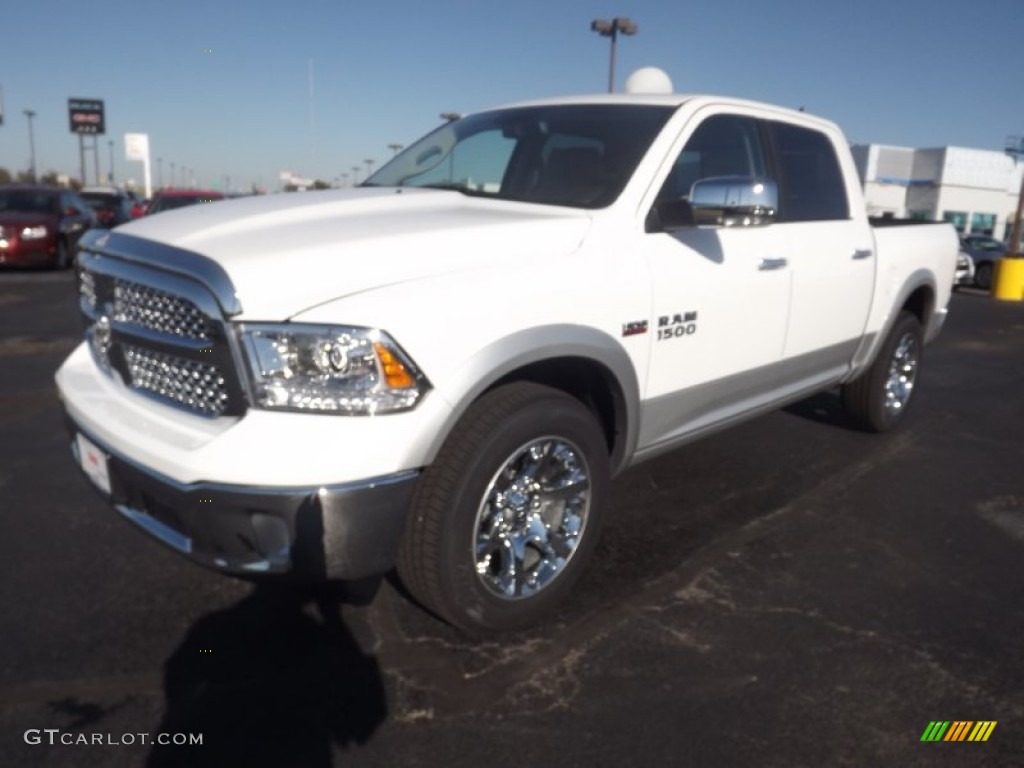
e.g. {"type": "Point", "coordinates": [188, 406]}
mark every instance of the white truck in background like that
{"type": "Point", "coordinates": [442, 369]}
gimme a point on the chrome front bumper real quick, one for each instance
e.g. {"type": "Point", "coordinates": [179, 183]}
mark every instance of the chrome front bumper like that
{"type": "Point", "coordinates": [348, 531]}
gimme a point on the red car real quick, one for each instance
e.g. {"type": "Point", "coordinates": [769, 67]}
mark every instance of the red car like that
{"type": "Point", "coordinates": [40, 225]}
{"type": "Point", "coordinates": [169, 199]}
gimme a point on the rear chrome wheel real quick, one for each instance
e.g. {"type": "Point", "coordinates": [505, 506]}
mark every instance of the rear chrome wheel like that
{"type": "Point", "coordinates": [899, 386]}
{"type": "Point", "coordinates": [879, 398]}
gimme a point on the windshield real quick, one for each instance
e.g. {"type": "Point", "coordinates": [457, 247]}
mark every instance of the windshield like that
{"type": "Point", "coordinates": [170, 202]}
{"type": "Point", "coordinates": [27, 201]}
{"type": "Point", "coordinates": [574, 155]}
{"type": "Point", "coordinates": [987, 244]}
{"type": "Point", "coordinates": [99, 200]}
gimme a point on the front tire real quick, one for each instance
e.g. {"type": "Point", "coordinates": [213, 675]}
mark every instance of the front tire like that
{"type": "Point", "coordinates": [879, 398]}
{"type": "Point", "coordinates": [508, 514]}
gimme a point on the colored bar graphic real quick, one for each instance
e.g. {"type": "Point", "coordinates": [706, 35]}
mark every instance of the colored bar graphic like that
{"type": "Point", "coordinates": [958, 730]}
{"type": "Point", "coordinates": [982, 730]}
{"type": "Point", "coordinates": [935, 730]}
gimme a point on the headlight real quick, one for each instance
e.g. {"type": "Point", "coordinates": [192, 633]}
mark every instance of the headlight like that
{"type": "Point", "coordinates": [33, 233]}
{"type": "Point", "coordinates": [329, 369]}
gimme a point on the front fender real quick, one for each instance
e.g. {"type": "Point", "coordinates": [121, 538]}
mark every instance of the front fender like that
{"type": "Point", "coordinates": [502, 358]}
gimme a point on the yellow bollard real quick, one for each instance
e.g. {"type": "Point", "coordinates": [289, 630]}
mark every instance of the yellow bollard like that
{"type": "Point", "coordinates": [1008, 282]}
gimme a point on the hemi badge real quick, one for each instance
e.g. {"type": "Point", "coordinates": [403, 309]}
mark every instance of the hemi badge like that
{"type": "Point", "coordinates": [634, 328]}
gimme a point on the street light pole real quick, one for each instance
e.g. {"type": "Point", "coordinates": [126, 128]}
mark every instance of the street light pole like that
{"type": "Point", "coordinates": [394, 148]}
{"type": "Point", "coordinates": [31, 145]}
{"type": "Point", "coordinates": [159, 173]}
{"type": "Point", "coordinates": [611, 29]}
{"type": "Point", "coordinates": [110, 143]}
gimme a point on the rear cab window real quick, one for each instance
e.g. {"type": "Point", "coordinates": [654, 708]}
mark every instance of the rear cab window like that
{"type": "Point", "coordinates": [811, 183]}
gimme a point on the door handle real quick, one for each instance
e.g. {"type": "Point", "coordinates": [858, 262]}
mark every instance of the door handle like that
{"type": "Point", "coordinates": [767, 265]}
{"type": "Point", "coordinates": [862, 253]}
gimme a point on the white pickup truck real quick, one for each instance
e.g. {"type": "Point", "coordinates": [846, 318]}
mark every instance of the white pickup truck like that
{"type": "Point", "coordinates": [442, 369]}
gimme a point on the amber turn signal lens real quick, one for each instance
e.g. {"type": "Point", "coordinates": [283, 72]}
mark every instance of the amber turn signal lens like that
{"type": "Point", "coordinates": [395, 374]}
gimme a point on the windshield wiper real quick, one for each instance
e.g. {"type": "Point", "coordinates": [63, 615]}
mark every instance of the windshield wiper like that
{"type": "Point", "coordinates": [454, 186]}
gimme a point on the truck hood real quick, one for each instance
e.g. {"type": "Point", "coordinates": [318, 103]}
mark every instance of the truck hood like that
{"type": "Point", "coordinates": [287, 253]}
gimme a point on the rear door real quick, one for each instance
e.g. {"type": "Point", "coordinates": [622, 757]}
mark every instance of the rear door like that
{"type": "Point", "coordinates": [829, 248]}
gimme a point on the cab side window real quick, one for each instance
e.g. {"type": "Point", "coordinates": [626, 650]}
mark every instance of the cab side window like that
{"type": "Point", "coordinates": [722, 145]}
{"type": "Point", "coordinates": [811, 182]}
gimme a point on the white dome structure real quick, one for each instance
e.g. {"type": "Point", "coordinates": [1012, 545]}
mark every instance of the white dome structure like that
{"type": "Point", "coordinates": [649, 80]}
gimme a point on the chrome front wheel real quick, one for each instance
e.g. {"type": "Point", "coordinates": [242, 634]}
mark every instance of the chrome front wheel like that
{"type": "Point", "coordinates": [532, 517]}
{"type": "Point", "coordinates": [508, 514]}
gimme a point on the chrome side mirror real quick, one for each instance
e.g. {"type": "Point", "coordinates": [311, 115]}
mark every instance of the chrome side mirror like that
{"type": "Point", "coordinates": [734, 201]}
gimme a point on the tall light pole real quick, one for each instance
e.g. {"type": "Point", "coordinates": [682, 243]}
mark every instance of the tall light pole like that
{"type": "Point", "coordinates": [31, 145]}
{"type": "Point", "coordinates": [159, 173]}
{"type": "Point", "coordinates": [611, 29]}
{"type": "Point", "coordinates": [110, 143]}
{"type": "Point", "coordinates": [369, 167]}
{"type": "Point", "coordinates": [394, 148]}
{"type": "Point", "coordinates": [1015, 148]}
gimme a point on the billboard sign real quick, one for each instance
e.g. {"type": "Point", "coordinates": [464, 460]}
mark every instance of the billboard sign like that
{"type": "Point", "coordinates": [136, 146]}
{"type": "Point", "coordinates": [86, 116]}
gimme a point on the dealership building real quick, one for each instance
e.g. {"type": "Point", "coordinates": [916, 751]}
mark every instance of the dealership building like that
{"type": "Point", "coordinates": [974, 189]}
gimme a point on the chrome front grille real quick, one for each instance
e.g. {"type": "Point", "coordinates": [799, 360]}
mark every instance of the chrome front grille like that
{"type": "Point", "coordinates": [197, 386]}
{"type": "Point", "coordinates": [87, 287]}
{"type": "Point", "coordinates": [162, 334]}
{"type": "Point", "coordinates": [158, 311]}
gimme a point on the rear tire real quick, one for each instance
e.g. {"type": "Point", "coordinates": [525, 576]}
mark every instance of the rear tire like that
{"type": "Point", "coordinates": [983, 276]}
{"type": "Point", "coordinates": [879, 398]}
{"type": "Point", "coordinates": [508, 514]}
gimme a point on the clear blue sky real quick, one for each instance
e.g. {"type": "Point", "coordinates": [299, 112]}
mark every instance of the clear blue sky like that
{"type": "Point", "coordinates": [905, 72]}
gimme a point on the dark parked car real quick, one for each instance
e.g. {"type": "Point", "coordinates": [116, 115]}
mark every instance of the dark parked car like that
{"type": "Point", "coordinates": [40, 225]}
{"type": "Point", "coordinates": [985, 251]}
{"type": "Point", "coordinates": [964, 274]}
{"type": "Point", "coordinates": [112, 206]}
{"type": "Point", "coordinates": [169, 199]}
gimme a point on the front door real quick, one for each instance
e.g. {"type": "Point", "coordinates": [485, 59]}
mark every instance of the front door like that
{"type": "Point", "coordinates": [720, 297]}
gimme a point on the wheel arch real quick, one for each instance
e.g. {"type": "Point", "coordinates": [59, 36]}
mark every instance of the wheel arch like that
{"type": "Point", "coordinates": [920, 303]}
{"type": "Point", "coordinates": [917, 296]}
{"type": "Point", "coordinates": [583, 362]}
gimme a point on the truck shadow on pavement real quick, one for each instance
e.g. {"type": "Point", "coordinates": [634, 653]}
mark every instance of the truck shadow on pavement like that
{"type": "Point", "coordinates": [276, 679]}
{"type": "Point", "coordinates": [824, 408]}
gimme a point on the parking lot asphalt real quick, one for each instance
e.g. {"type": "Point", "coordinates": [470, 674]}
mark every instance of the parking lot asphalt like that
{"type": "Point", "coordinates": [788, 593]}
